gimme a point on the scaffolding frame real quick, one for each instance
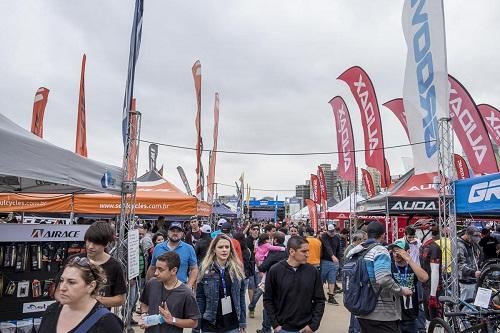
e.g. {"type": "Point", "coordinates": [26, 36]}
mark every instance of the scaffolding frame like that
{"type": "Point", "coordinates": [127, 219]}
{"type": "Point", "coordinates": [447, 214]}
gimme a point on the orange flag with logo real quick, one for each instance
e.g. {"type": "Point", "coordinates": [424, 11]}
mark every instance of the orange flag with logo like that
{"type": "Point", "coordinates": [41, 98]}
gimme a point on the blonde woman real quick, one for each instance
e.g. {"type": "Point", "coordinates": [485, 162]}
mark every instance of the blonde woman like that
{"type": "Point", "coordinates": [220, 293]}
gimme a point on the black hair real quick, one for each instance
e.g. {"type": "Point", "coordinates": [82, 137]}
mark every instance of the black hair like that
{"type": "Point", "coordinates": [269, 227]}
{"type": "Point", "coordinates": [410, 231]}
{"type": "Point", "coordinates": [241, 238]}
{"type": "Point", "coordinates": [156, 235]}
{"type": "Point", "coordinates": [100, 232]}
{"type": "Point", "coordinates": [375, 229]}
{"type": "Point", "coordinates": [310, 231]}
{"type": "Point", "coordinates": [171, 258]}
{"type": "Point", "coordinates": [262, 239]}
{"type": "Point", "coordinates": [295, 242]}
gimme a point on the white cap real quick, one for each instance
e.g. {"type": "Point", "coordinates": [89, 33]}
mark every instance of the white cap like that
{"type": "Point", "coordinates": [331, 227]}
{"type": "Point", "coordinates": [206, 229]}
{"type": "Point", "coordinates": [221, 222]}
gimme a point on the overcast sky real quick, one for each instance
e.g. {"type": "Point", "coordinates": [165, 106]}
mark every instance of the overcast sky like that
{"type": "Point", "coordinates": [274, 63]}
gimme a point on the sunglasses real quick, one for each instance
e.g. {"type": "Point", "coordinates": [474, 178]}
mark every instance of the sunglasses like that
{"type": "Point", "coordinates": [255, 229]}
{"type": "Point", "coordinates": [83, 262]}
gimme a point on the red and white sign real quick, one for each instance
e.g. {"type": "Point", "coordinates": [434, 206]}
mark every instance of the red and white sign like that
{"type": "Point", "coordinates": [368, 181]}
{"type": "Point", "coordinates": [345, 139]}
{"type": "Point", "coordinates": [397, 107]}
{"type": "Point", "coordinates": [470, 130]}
{"type": "Point", "coordinates": [362, 89]}
{"type": "Point", "coordinates": [461, 167]}
{"type": "Point", "coordinates": [491, 117]}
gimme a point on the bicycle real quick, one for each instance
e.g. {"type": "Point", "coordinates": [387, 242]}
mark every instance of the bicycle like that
{"type": "Point", "coordinates": [469, 320]}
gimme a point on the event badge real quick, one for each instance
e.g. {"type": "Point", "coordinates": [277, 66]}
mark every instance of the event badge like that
{"type": "Point", "coordinates": [226, 305]}
{"type": "Point", "coordinates": [408, 302]}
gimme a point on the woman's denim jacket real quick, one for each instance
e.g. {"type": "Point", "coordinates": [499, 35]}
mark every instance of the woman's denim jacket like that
{"type": "Point", "coordinates": [207, 297]}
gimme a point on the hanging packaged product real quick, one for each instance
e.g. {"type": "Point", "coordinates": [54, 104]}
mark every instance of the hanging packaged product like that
{"type": "Point", "coordinates": [25, 325]}
{"type": "Point", "coordinates": [10, 289]}
{"type": "Point", "coordinates": [23, 288]}
{"type": "Point", "coordinates": [36, 257]}
{"type": "Point", "coordinates": [21, 257]}
{"type": "Point", "coordinates": [9, 259]}
{"type": "Point", "coordinates": [36, 289]}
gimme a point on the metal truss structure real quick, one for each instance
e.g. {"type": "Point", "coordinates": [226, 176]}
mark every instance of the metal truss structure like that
{"type": "Point", "coordinates": [127, 219]}
{"type": "Point", "coordinates": [447, 215]}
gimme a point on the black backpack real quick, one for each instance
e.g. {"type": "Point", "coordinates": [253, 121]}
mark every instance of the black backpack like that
{"type": "Point", "coordinates": [360, 297]}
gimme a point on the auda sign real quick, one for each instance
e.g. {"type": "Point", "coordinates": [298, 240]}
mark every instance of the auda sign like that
{"type": "Point", "coordinates": [42, 232]}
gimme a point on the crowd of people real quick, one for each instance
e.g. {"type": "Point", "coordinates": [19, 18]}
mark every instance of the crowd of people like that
{"type": "Point", "coordinates": [195, 276]}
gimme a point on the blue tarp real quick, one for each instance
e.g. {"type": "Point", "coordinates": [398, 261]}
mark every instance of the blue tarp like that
{"type": "Point", "coordinates": [223, 210]}
{"type": "Point", "coordinates": [479, 195]}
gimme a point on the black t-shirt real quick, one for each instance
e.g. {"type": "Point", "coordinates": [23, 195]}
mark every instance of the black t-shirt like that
{"type": "Point", "coordinates": [229, 321]}
{"type": "Point", "coordinates": [115, 277]}
{"type": "Point", "coordinates": [405, 277]}
{"type": "Point", "coordinates": [430, 253]}
{"type": "Point", "coordinates": [107, 324]}
{"type": "Point", "coordinates": [180, 302]}
{"type": "Point", "coordinates": [489, 245]}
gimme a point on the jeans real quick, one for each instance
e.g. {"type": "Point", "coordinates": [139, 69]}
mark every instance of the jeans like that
{"type": "Point", "coordinates": [236, 330]}
{"type": "Point", "coordinates": [354, 325]}
{"type": "Point", "coordinates": [329, 271]}
{"type": "Point", "coordinates": [256, 296]}
{"type": "Point", "coordinates": [408, 326]}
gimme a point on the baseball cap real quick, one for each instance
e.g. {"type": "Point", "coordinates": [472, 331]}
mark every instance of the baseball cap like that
{"type": "Point", "coordinates": [226, 226]}
{"type": "Point", "coordinates": [221, 222]}
{"type": "Point", "coordinates": [177, 225]}
{"type": "Point", "coordinates": [331, 227]}
{"type": "Point", "coordinates": [206, 229]}
{"type": "Point", "coordinates": [401, 243]}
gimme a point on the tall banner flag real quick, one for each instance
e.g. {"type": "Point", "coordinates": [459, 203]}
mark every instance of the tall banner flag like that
{"type": "Point", "coordinates": [248, 196]}
{"type": "Point", "coordinates": [388, 173]}
{"type": "Point", "coordinates": [213, 154]}
{"type": "Point", "coordinates": [345, 139]}
{"type": "Point", "coordinates": [425, 88]}
{"type": "Point", "coordinates": [470, 130]}
{"type": "Point", "coordinates": [131, 171]}
{"type": "Point", "coordinates": [184, 180]}
{"type": "Point", "coordinates": [368, 181]}
{"type": "Point", "coordinates": [315, 190]}
{"type": "Point", "coordinates": [322, 188]}
{"type": "Point", "coordinates": [81, 124]}
{"type": "Point", "coordinates": [313, 214]}
{"type": "Point", "coordinates": [153, 155]}
{"type": "Point", "coordinates": [202, 182]}
{"type": "Point", "coordinates": [135, 45]}
{"type": "Point", "coordinates": [491, 117]}
{"type": "Point", "coordinates": [362, 89]}
{"type": "Point", "coordinates": [196, 70]}
{"type": "Point", "coordinates": [397, 107]}
{"type": "Point", "coordinates": [461, 167]}
{"type": "Point", "coordinates": [41, 98]}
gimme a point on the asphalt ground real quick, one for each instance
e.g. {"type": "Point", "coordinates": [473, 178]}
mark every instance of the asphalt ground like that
{"type": "Point", "coordinates": [335, 319]}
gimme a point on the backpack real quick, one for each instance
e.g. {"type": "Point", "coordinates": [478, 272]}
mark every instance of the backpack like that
{"type": "Point", "coordinates": [360, 297]}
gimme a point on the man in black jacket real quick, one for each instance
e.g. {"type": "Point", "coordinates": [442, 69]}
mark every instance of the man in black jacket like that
{"type": "Point", "coordinates": [294, 299]}
{"type": "Point", "coordinates": [272, 258]}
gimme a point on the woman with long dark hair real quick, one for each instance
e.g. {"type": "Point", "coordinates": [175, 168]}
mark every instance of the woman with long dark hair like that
{"type": "Point", "coordinates": [220, 292]}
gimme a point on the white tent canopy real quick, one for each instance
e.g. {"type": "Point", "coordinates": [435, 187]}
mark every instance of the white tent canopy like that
{"type": "Point", "coordinates": [32, 165]}
{"type": "Point", "coordinates": [347, 205]}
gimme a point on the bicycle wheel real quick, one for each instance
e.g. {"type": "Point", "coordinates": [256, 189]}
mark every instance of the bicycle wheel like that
{"type": "Point", "coordinates": [439, 325]}
{"type": "Point", "coordinates": [490, 277]}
